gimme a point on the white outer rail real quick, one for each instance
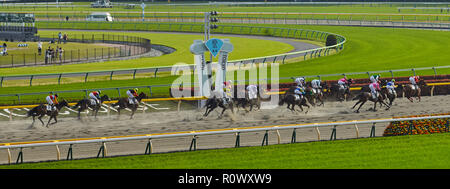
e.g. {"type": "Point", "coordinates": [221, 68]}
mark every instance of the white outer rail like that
{"type": "Point", "coordinates": [209, 132]}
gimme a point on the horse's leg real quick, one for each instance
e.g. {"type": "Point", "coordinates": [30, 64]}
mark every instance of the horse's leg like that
{"type": "Point", "coordinates": [357, 111]}
{"type": "Point", "coordinates": [223, 110]}
{"type": "Point", "coordinates": [356, 104]}
{"type": "Point", "coordinates": [304, 104]}
{"type": "Point", "coordinates": [385, 105]}
{"type": "Point", "coordinates": [418, 94]}
{"type": "Point", "coordinates": [40, 118]}
{"type": "Point", "coordinates": [51, 117]}
{"type": "Point", "coordinates": [375, 105]}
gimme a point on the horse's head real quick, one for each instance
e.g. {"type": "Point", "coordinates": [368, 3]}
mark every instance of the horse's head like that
{"type": "Point", "coordinates": [422, 82]}
{"type": "Point", "coordinates": [63, 103]}
{"type": "Point", "coordinates": [105, 98]}
{"type": "Point", "coordinates": [350, 81]}
{"type": "Point", "coordinates": [141, 96]}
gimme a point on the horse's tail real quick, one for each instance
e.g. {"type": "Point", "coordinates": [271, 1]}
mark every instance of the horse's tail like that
{"type": "Point", "coordinates": [76, 105]}
{"type": "Point", "coordinates": [32, 112]}
{"type": "Point", "coordinates": [281, 102]}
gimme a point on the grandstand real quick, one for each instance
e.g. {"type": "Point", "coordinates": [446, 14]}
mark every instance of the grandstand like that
{"type": "Point", "coordinates": [17, 27]}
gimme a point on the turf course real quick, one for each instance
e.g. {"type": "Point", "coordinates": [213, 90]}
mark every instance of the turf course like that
{"type": "Point", "coordinates": [367, 49]}
{"type": "Point", "coordinates": [400, 152]}
{"type": "Point", "coordinates": [242, 49]}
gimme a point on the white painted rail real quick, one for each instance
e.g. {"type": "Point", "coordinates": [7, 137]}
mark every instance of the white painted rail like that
{"type": "Point", "coordinates": [194, 134]}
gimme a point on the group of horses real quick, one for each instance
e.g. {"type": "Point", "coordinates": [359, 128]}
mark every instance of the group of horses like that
{"type": "Point", "coordinates": [340, 94]}
{"type": "Point", "coordinates": [311, 97]}
{"type": "Point", "coordinates": [82, 105]}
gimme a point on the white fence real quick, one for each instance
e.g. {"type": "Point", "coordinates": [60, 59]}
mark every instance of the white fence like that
{"type": "Point", "coordinates": [194, 134]}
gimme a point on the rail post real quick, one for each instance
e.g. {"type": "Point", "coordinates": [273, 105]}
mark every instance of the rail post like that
{"type": "Point", "coordinates": [102, 150]}
{"type": "Point", "coordinates": [318, 133]}
{"type": "Point", "coordinates": [278, 136]}
{"type": "Point", "coordinates": [372, 130]}
{"type": "Point", "coordinates": [58, 153]}
{"type": "Point", "coordinates": [238, 140]}
{"type": "Point", "coordinates": [193, 143]}
{"type": "Point", "coordinates": [148, 148]}
{"type": "Point", "coordinates": [69, 153]}
{"type": "Point", "coordinates": [356, 130]}
{"type": "Point", "coordinates": [435, 72]}
{"type": "Point", "coordinates": [9, 156]}
{"type": "Point", "coordinates": [59, 79]}
{"type": "Point", "coordinates": [333, 133]}
{"type": "Point", "coordinates": [20, 157]}
{"type": "Point", "coordinates": [294, 136]}
{"type": "Point", "coordinates": [31, 79]}
{"type": "Point", "coordinates": [265, 139]}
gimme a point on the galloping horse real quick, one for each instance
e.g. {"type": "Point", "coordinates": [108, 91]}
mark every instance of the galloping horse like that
{"type": "Point", "coordinates": [41, 111]}
{"type": "Point", "coordinates": [123, 103]}
{"type": "Point", "coordinates": [291, 101]}
{"type": "Point", "coordinates": [341, 93]}
{"type": "Point", "coordinates": [213, 102]}
{"type": "Point", "coordinates": [411, 91]}
{"type": "Point", "coordinates": [365, 96]}
{"type": "Point", "coordinates": [314, 95]}
{"type": "Point", "coordinates": [85, 103]}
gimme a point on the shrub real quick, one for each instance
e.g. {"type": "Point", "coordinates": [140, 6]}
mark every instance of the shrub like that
{"type": "Point", "coordinates": [331, 40]}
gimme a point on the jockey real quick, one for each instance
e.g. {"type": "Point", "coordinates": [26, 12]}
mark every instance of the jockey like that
{"type": "Point", "coordinates": [315, 84]}
{"type": "Point", "coordinates": [374, 88]}
{"type": "Point", "coordinates": [299, 92]}
{"type": "Point", "coordinates": [95, 97]}
{"type": "Point", "coordinates": [52, 100]}
{"type": "Point", "coordinates": [227, 91]}
{"type": "Point", "coordinates": [300, 82]}
{"type": "Point", "coordinates": [343, 82]}
{"type": "Point", "coordinates": [132, 94]}
{"type": "Point", "coordinates": [391, 87]}
{"type": "Point", "coordinates": [252, 91]}
{"type": "Point", "coordinates": [414, 80]}
{"type": "Point", "coordinates": [374, 78]}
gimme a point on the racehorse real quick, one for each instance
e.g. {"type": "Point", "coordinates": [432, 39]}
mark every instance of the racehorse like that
{"type": "Point", "coordinates": [214, 102]}
{"type": "Point", "coordinates": [41, 111]}
{"type": "Point", "coordinates": [291, 101]}
{"type": "Point", "coordinates": [123, 103]}
{"type": "Point", "coordinates": [411, 91]}
{"type": "Point", "coordinates": [388, 94]}
{"type": "Point", "coordinates": [365, 96]}
{"type": "Point", "coordinates": [85, 103]}
{"type": "Point", "coordinates": [341, 93]}
{"type": "Point", "coordinates": [314, 95]}
{"type": "Point", "coordinates": [244, 102]}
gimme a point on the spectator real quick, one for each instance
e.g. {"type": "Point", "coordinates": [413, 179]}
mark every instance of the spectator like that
{"type": "Point", "coordinates": [39, 48]}
{"type": "Point", "coordinates": [60, 54]}
{"type": "Point", "coordinates": [65, 38]}
{"type": "Point", "coordinates": [5, 50]}
{"type": "Point", "coordinates": [46, 55]}
{"type": "Point", "coordinates": [67, 18]}
{"type": "Point", "coordinates": [59, 37]}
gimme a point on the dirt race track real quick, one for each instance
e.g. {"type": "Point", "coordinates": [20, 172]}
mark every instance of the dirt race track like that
{"type": "Point", "coordinates": [188, 120]}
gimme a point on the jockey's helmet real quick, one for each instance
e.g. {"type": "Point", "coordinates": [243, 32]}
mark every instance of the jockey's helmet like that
{"type": "Point", "coordinates": [56, 95]}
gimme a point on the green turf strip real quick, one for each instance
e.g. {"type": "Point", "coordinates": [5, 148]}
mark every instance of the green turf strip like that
{"type": "Point", "coordinates": [401, 152]}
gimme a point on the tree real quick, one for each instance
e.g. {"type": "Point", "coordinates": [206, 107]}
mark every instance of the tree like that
{"type": "Point", "coordinates": [331, 40]}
